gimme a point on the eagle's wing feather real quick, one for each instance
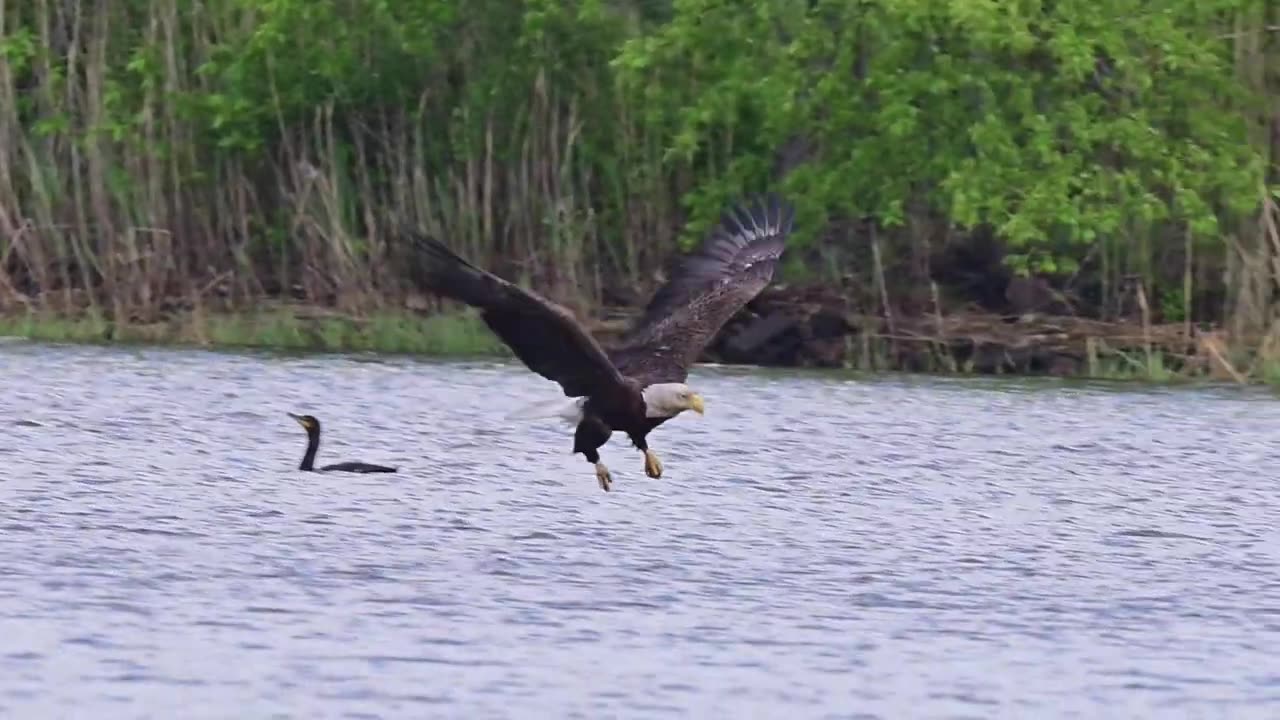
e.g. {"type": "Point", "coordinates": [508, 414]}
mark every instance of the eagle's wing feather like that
{"type": "Point", "coordinates": [708, 286]}
{"type": "Point", "coordinates": [543, 335]}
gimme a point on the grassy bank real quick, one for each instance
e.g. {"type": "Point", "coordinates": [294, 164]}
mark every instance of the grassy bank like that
{"type": "Point", "coordinates": [292, 327]}
{"type": "Point", "coordinates": [278, 328]}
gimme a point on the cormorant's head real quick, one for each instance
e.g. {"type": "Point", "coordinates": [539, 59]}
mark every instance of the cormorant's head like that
{"type": "Point", "coordinates": [671, 399]}
{"type": "Point", "coordinates": [308, 422]}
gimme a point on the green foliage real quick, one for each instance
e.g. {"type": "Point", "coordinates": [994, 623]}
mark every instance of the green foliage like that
{"type": "Point", "coordinates": [296, 56]}
{"type": "Point", "coordinates": [1056, 124]}
{"type": "Point", "coordinates": [279, 329]}
{"type": "Point", "coordinates": [571, 128]}
{"type": "Point", "coordinates": [1173, 305]}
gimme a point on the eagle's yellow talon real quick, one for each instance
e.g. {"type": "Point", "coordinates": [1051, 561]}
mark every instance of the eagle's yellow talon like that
{"type": "Point", "coordinates": [602, 474]}
{"type": "Point", "coordinates": [652, 465]}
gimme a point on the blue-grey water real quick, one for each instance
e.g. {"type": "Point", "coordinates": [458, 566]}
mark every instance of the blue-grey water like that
{"type": "Point", "coordinates": [820, 546]}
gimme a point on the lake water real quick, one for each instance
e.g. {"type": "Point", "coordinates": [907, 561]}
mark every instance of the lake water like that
{"type": "Point", "coordinates": [821, 545]}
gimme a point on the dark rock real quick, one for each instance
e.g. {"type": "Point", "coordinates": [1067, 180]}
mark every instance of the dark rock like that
{"type": "Point", "coordinates": [826, 324]}
{"type": "Point", "coordinates": [749, 340]}
{"type": "Point", "coordinates": [1029, 295]}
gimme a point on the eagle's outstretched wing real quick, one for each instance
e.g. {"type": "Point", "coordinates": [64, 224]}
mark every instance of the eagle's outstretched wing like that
{"type": "Point", "coordinates": [710, 285]}
{"type": "Point", "coordinates": [545, 336]}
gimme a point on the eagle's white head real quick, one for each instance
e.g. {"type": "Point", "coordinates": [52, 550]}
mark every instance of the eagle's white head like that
{"type": "Point", "coordinates": [670, 399]}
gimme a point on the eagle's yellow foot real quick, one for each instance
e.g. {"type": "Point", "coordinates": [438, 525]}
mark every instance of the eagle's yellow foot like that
{"type": "Point", "coordinates": [602, 474]}
{"type": "Point", "coordinates": [652, 465]}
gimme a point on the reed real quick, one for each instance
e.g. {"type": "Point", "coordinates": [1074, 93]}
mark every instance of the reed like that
{"type": "Point", "coordinates": [284, 328]}
{"type": "Point", "coordinates": [164, 161]}
{"type": "Point", "coordinates": [163, 154]}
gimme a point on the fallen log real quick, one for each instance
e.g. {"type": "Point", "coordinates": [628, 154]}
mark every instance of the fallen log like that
{"type": "Point", "coordinates": [813, 327]}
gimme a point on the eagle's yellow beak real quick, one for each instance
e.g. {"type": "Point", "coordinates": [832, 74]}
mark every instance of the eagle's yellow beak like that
{"type": "Point", "coordinates": [695, 403]}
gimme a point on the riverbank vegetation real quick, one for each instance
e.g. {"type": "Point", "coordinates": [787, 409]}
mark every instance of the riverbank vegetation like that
{"type": "Point", "coordinates": [274, 327]}
{"type": "Point", "coordinates": [958, 167]}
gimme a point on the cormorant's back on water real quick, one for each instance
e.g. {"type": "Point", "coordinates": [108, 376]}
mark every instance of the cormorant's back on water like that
{"type": "Point", "coordinates": [312, 426]}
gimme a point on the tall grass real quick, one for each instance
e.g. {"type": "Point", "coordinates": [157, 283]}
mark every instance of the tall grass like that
{"type": "Point", "coordinates": [445, 334]}
{"type": "Point", "coordinates": [167, 154]}
{"type": "Point", "coordinates": [196, 158]}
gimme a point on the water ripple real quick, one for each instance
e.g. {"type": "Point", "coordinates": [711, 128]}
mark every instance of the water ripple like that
{"type": "Point", "coordinates": [821, 545]}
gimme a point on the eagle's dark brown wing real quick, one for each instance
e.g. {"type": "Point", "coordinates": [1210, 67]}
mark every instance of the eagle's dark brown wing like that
{"type": "Point", "coordinates": [545, 336]}
{"type": "Point", "coordinates": [733, 264]}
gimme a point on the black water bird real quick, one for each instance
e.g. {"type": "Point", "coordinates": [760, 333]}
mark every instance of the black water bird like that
{"type": "Point", "coordinates": [637, 385]}
{"type": "Point", "coordinates": [312, 426]}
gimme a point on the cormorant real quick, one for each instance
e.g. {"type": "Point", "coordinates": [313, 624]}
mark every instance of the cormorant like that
{"type": "Point", "coordinates": [312, 426]}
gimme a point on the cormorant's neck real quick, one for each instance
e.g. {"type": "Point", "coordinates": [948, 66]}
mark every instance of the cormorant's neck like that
{"type": "Point", "coordinates": [313, 444]}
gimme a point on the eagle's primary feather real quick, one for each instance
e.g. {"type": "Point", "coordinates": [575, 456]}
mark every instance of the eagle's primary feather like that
{"type": "Point", "coordinates": [544, 335]}
{"type": "Point", "coordinates": [708, 287]}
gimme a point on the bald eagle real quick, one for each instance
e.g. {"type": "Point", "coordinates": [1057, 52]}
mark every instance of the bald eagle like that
{"type": "Point", "coordinates": [640, 383]}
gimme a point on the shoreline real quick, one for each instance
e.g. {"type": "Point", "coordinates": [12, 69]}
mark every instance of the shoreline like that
{"type": "Point", "coordinates": [279, 327]}
{"type": "Point", "coordinates": [779, 332]}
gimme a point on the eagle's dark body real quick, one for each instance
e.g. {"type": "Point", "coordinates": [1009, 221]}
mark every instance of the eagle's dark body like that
{"type": "Point", "coordinates": [707, 287]}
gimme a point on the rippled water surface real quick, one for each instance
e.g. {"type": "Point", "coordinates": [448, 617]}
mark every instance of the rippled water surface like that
{"type": "Point", "coordinates": [821, 546]}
